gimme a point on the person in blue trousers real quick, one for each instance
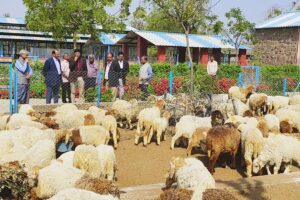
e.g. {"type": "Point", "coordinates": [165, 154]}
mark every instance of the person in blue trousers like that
{"type": "Point", "coordinates": [53, 77]}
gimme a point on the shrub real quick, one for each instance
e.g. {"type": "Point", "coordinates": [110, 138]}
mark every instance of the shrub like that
{"type": "Point", "coordinates": [91, 95]}
{"type": "Point", "coordinates": [225, 83]}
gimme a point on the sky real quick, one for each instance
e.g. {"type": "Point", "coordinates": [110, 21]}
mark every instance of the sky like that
{"type": "Point", "coordinates": [254, 10]}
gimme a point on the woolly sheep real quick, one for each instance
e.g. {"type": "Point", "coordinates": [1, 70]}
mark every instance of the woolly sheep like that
{"type": "Point", "coordinates": [258, 103]}
{"type": "Point", "coordinates": [67, 158]}
{"type": "Point", "coordinates": [277, 102]}
{"type": "Point", "coordinates": [290, 116]}
{"type": "Point", "coordinates": [108, 163]}
{"type": "Point", "coordinates": [272, 123]}
{"type": "Point", "coordinates": [278, 149]}
{"type": "Point", "coordinates": [78, 194]}
{"type": "Point", "coordinates": [14, 151]}
{"type": "Point", "coordinates": [17, 120]}
{"type": "Point", "coordinates": [198, 136]}
{"type": "Point", "coordinates": [159, 126]}
{"type": "Point", "coordinates": [75, 119]}
{"type": "Point", "coordinates": [294, 100]}
{"type": "Point", "coordinates": [110, 123]}
{"type": "Point", "coordinates": [65, 108]}
{"type": "Point", "coordinates": [234, 107]}
{"type": "Point", "coordinates": [240, 93]}
{"type": "Point", "coordinates": [3, 121]}
{"type": "Point", "coordinates": [189, 173]}
{"type": "Point", "coordinates": [86, 159]}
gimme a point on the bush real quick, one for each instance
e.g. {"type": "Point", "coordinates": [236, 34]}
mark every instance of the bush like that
{"type": "Point", "coordinates": [225, 83]}
{"type": "Point", "coordinates": [91, 95]}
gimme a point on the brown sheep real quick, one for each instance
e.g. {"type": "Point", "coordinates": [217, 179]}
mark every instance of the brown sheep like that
{"type": "Point", "coordinates": [50, 123]}
{"type": "Point", "coordinates": [248, 113]}
{"type": "Point", "coordinates": [198, 136]}
{"type": "Point", "coordinates": [98, 185]}
{"type": "Point", "coordinates": [217, 194]}
{"type": "Point", "coordinates": [258, 104]}
{"type": "Point", "coordinates": [217, 118]}
{"type": "Point", "coordinates": [263, 126]}
{"type": "Point", "coordinates": [176, 194]}
{"type": "Point", "coordinates": [89, 120]}
{"type": "Point", "coordinates": [285, 127]}
{"type": "Point", "coordinates": [221, 139]}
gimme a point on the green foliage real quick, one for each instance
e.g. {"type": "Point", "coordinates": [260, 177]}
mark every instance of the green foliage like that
{"type": "Point", "coordinates": [67, 18]}
{"type": "Point", "coordinates": [139, 16]}
{"type": "Point", "coordinates": [91, 95]}
{"type": "Point", "coordinates": [274, 12]}
{"type": "Point", "coordinates": [38, 89]}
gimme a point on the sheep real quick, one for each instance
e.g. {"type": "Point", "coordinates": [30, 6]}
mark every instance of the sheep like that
{"type": "Point", "coordinates": [78, 194]}
{"type": "Point", "coordinates": [6, 143]}
{"type": "Point", "coordinates": [294, 100]}
{"type": "Point", "coordinates": [86, 159]}
{"type": "Point", "coordinates": [176, 194]}
{"type": "Point", "coordinates": [124, 110]}
{"type": "Point", "coordinates": [289, 116]}
{"type": "Point", "coordinates": [145, 121]}
{"type": "Point", "coordinates": [65, 108]}
{"type": "Point", "coordinates": [278, 149]}
{"type": "Point", "coordinates": [110, 123]}
{"type": "Point", "coordinates": [277, 102]}
{"type": "Point", "coordinates": [240, 93]}
{"type": "Point", "coordinates": [99, 186]}
{"type": "Point", "coordinates": [3, 121]}
{"type": "Point", "coordinates": [198, 136]}
{"type": "Point", "coordinates": [258, 103]}
{"type": "Point", "coordinates": [213, 194]}
{"type": "Point", "coordinates": [14, 151]}
{"type": "Point", "coordinates": [217, 118]}
{"type": "Point", "coordinates": [189, 173]}
{"type": "Point", "coordinates": [94, 135]}
{"type": "Point", "coordinates": [187, 126]}
{"type": "Point", "coordinates": [222, 139]}
{"type": "Point", "coordinates": [17, 120]}
{"type": "Point", "coordinates": [160, 126]}
{"type": "Point", "coordinates": [108, 163]}
{"type": "Point", "coordinates": [272, 123]}
{"type": "Point", "coordinates": [286, 127]}
{"type": "Point", "coordinates": [235, 107]}
{"type": "Point", "coordinates": [236, 120]}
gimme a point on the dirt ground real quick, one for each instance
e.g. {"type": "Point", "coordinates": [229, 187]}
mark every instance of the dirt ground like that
{"type": "Point", "coordinates": [138, 165]}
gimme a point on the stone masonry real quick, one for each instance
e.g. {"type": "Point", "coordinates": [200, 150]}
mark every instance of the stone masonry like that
{"type": "Point", "coordinates": [277, 46]}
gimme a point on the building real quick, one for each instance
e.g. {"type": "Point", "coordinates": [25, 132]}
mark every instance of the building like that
{"type": "Point", "coordinates": [278, 39]}
{"type": "Point", "coordinates": [159, 46]}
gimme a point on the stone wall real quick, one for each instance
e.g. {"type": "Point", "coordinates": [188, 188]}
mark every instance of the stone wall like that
{"type": "Point", "coordinates": [277, 46]}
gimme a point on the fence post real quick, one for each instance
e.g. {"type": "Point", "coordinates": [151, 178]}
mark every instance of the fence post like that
{"type": "Point", "coordinates": [171, 83]}
{"type": "Point", "coordinates": [16, 92]}
{"type": "Point", "coordinates": [284, 87]}
{"type": "Point", "coordinates": [257, 75]}
{"type": "Point", "coordinates": [99, 89]}
{"type": "Point", "coordinates": [11, 89]}
{"type": "Point", "coordinates": [241, 82]}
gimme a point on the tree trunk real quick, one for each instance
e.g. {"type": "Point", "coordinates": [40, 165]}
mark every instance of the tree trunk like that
{"type": "Point", "coordinates": [74, 41]}
{"type": "Point", "coordinates": [190, 59]}
{"type": "Point", "coordinates": [237, 56]}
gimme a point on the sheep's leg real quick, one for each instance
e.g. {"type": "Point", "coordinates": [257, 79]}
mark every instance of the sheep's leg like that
{"type": "Point", "coordinates": [114, 134]}
{"type": "Point", "coordinates": [287, 168]}
{"type": "Point", "coordinates": [268, 169]}
{"type": "Point", "coordinates": [165, 136]}
{"type": "Point", "coordinates": [137, 134]}
{"type": "Point", "coordinates": [212, 161]}
{"type": "Point", "coordinates": [150, 136]}
{"type": "Point", "coordinates": [189, 149]}
{"type": "Point", "coordinates": [158, 136]}
{"type": "Point", "coordinates": [174, 138]}
{"type": "Point", "coordinates": [249, 167]}
{"type": "Point", "coordinates": [146, 135]}
{"type": "Point", "coordinates": [233, 159]}
{"type": "Point", "coordinates": [129, 123]}
{"type": "Point", "coordinates": [276, 168]}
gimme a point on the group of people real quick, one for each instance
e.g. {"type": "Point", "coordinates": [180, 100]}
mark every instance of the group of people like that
{"type": "Point", "coordinates": [72, 73]}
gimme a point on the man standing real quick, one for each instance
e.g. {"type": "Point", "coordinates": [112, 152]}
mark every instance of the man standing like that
{"type": "Point", "coordinates": [92, 73]}
{"type": "Point", "coordinates": [24, 72]}
{"type": "Point", "coordinates": [66, 88]}
{"type": "Point", "coordinates": [117, 75]}
{"type": "Point", "coordinates": [78, 71]}
{"type": "Point", "coordinates": [52, 73]}
{"type": "Point", "coordinates": [145, 74]}
{"type": "Point", "coordinates": [212, 67]}
{"type": "Point", "coordinates": [109, 60]}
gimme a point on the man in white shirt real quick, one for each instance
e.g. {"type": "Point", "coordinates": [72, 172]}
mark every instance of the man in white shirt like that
{"type": "Point", "coordinates": [145, 74]}
{"type": "Point", "coordinates": [109, 60]}
{"type": "Point", "coordinates": [212, 67]}
{"type": "Point", "coordinates": [66, 88]}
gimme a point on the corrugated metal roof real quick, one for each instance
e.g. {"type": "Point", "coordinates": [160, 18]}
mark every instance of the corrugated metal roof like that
{"type": "Point", "coordinates": [287, 19]}
{"type": "Point", "coordinates": [19, 37]}
{"type": "Point", "coordinates": [179, 40]}
{"type": "Point", "coordinates": [9, 20]}
{"type": "Point", "coordinates": [110, 38]}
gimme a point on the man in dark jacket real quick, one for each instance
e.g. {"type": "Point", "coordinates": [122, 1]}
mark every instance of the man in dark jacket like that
{"type": "Point", "coordinates": [117, 75]}
{"type": "Point", "coordinates": [78, 72]}
{"type": "Point", "coordinates": [52, 73]}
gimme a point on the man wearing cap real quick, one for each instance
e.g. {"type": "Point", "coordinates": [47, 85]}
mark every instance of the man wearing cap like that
{"type": "Point", "coordinates": [53, 76]}
{"type": "Point", "coordinates": [24, 72]}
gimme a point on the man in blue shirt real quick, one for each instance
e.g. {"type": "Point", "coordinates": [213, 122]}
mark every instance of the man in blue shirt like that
{"type": "Point", "coordinates": [53, 76]}
{"type": "Point", "coordinates": [24, 72]}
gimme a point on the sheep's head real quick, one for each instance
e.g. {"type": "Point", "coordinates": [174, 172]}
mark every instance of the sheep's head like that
{"type": "Point", "coordinates": [167, 115]}
{"type": "Point", "coordinates": [257, 165]}
{"type": "Point", "coordinates": [89, 120]}
{"type": "Point", "coordinates": [160, 104]}
{"type": "Point", "coordinates": [133, 102]}
{"type": "Point", "coordinates": [61, 135]}
{"type": "Point", "coordinates": [248, 113]}
{"type": "Point", "coordinates": [175, 164]}
{"type": "Point", "coordinates": [286, 127]}
{"type": "Point", "coordinates": [50, 123]}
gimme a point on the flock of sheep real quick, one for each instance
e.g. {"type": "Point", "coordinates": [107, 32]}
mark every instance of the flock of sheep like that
{"type": "Point", "coordinates": [253, 125]}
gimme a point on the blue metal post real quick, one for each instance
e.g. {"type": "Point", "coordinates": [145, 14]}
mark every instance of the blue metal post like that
{"type": "Point", "coordinates": [99, 89]}
{"type": "Point", "coordinates": [257, 75]}
{"type": "Point", "coordinates": [241, 82]}
{"type": "Point", "coordinates": [16, 93]}
{"type": "Point", "coordinates": [171, 83]}
{"type": "Point", "coordinates": [11, 88]}
{"type": "Point", "coordinates": [284, 87]}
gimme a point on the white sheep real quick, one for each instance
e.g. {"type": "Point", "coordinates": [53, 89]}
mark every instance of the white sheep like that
{"type": "Point", "coordinates": [74, 119]}
{"type": "Point", "coordinates": [65, 108]}
{"type": "Point", "coordinates": [67, 158]}
{"type": "Point", "coordinates": [108, 163]}
{"type": "Point", "coordinates": [159, 126]}
{"type": "Point", "coordinates": [273, 123]}
{"type": "Point", "coordinates": [278, 149]}
{"type": "Point", "coordinates": [294, 100]}
{"type": "Point", "coordinates": [189, 173]}
{"type": "Point", "coordinates": [98, 114]}
{"type": "Point", "coordinates": [86, 159]}
{"type": "Point", "coordinates": [110, 123]}
{"type": "Point", "coordinates": [187, 126]}
{"type": "Point", "coordinates": [3, 121]}
{"type": "Point", "coordinates": [240, 93]}
{"type": "Point", "coordinates": [237, 120]}
{"type": "Point", "coordinates": [277, 102]}
{"type": "Point", "coordinates": [17, 120]}
{"type": "Point", "coordinates": [233, 107]}
{"type": "Point", "coordinates": [6, 143]}
{"type": "Point", "coordinates": [258, 103]}
{"type": "Point", "coordinates": [56, 177]}
{"type": "Point", "coordinates": [289, 115]}
{"type": "Point", "coordinates": [79, 194]}
{"type": "Point", "coordinates": [14, 151]}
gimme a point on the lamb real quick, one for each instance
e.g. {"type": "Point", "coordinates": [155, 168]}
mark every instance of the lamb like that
{"type": "Point", "coordinates": [160, 126]}
{"type": "Point", "coordinates": [189, 173]}
{"type": "Point", "coordinates": [222, 139]}
{"type": "Point", "coordinates": [278, 149]}
{"type": "Point", "coordinates": [145, 121]}
{"type": "Point", "coordinates": [240, 93]}
{"type": "Point", "coordinates": [258, 103]}
{"type": "Point", "coordinates": [108, 163]}
{"type": "Point", "coordinates": [294, 100]}
{"type": "Point", "coordinates": [86, 159]}
{"type": "Point", "coordinates": [110, 123]}
{"type": "Point", "coordinates": [94, 135]}
{"type": "Point", "coordinates": [277, 102]}
{"type": "Point", "coordinates": [75, 119]}
{"type": "Point", "coordinates": [78, 194]}
{"type": "Point", "coordinates": [187, 126]}
{"type": "Point", "coordinates": [124, 110]}
{"type": "Point", "coordinates": [16, 121]}
{"type": "Point", "coordinates": [198, 136]}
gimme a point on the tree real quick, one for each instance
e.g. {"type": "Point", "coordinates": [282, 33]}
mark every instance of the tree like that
{"type": "Point", "coordinates": [65, 18]}
{"type": "Point", "coordinates": [190, 14]}
{"type": "Point", "coordinates": [139, 16]}
{"type": "Point", "coordinates": [274, 12]}
{"type": "Point", "coordinates": [212, 25]}
{"type": "Point", "coordinates": [239, 30]}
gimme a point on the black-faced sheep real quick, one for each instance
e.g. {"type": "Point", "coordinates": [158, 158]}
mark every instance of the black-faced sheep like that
{"type": "Point", "coordinates": [217, 118]}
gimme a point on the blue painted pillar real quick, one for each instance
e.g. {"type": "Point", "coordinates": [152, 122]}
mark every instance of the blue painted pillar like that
{"type": "Point", "coordinates": [171, 82]}
{"type": "Point", "coordinates": [99, 89]}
